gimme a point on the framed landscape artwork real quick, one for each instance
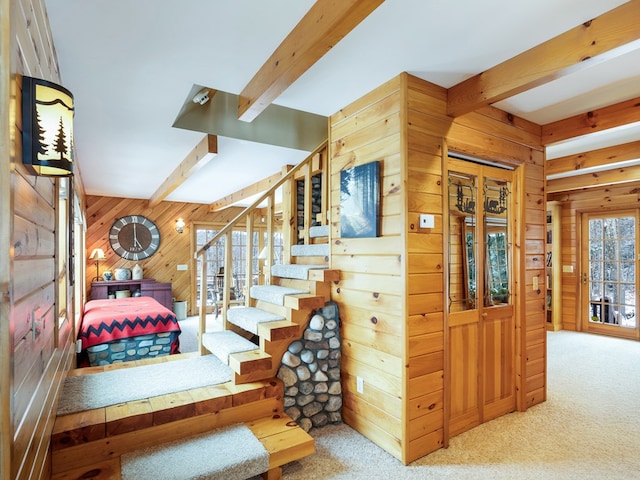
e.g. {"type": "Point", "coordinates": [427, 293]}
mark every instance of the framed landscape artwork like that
{"type": "Point", "coordinates": [360, 201]}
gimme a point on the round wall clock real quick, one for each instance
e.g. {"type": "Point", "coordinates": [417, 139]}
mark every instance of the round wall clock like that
{"type": "Point", "coordinates": [134, 237]}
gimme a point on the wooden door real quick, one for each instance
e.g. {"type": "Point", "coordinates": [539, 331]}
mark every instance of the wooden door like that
{"type": "Point", "coordinates": [480, 311]}
{"type": "Point", "coordinates": [609, 274]}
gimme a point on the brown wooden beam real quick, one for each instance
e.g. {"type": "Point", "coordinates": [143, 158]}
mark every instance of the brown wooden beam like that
{"type": "Point", "coordinates": [595, 179]}
{"type": "Point", "coordinates": [590, 122]}
{"type": "Point", "coordinates": [595, 158]}
{"type": "Point", "coordinates": [247, 192]}
{"type": "Point", "coordinates": [324, 25]}
{"type": "Point", "coordinates": [194, 161]}
{"type": "Point", "coordinates": [603, 38]}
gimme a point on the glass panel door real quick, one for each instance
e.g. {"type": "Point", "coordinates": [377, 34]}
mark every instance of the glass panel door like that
{"type": "Point", "coordinates": [610, 276]}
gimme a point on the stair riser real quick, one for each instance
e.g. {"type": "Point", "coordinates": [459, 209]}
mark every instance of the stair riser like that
{"type": "Point", "coordinates": [108, 448]}
{"type": "Point", "coordinates": [241, 365]}
{"type": "Point", "coordinates": [276, 331]}
{"type": "Point", "coordinates": [314, 288]}
{"type": "Point", "coordinates": [312, 260]}
{"type": "Point", "coordinates": [324, 275]}
{"type": "Point", "coordinates": [304, 302]}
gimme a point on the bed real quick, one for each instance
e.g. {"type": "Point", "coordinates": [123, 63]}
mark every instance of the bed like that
{"type": "Point", "coordinates": [125, 329]}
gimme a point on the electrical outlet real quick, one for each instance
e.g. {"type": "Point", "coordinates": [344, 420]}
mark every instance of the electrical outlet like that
{"type": "Point", "coordinates": [535, 282]}
{"type": "Point", "coordinates": [182, 267]}
{"type": "Point", "coordinates": [360, 384]}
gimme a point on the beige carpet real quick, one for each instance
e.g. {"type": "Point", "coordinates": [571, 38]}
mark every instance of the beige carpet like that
{"type": "Point", "coordinates": [589, 428]}
{"type": "Point", "coordinates": [111, 387]}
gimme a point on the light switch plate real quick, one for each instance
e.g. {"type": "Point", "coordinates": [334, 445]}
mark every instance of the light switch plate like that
{"type": "Point", "coordinates": [182, 267]}
{"type": "Point", "coordinates": [427, 220]}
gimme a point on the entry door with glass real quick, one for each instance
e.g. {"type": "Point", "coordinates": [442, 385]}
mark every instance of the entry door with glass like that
{"type": "Point", "coordinates": [480, 311]}
{"type": "Point", "coordinates": [609, 274]}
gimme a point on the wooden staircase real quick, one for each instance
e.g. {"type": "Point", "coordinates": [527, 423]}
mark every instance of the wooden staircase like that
{"type": "Point", "coordinates": [89, 444]}
{"type": "Point", "coordinates": [257, 336]}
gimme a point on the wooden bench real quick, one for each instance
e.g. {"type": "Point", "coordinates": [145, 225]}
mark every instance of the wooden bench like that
{"type": "Point", "coordinates": [283, 439]}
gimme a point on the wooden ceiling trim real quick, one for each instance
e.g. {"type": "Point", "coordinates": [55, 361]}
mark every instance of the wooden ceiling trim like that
{"type": "Point", "coordinates": [612, 116]}
{"type": "Point", "coordinates": [322, 27]}
{"type": "Point", "coordinates": [607, 193]}
{"type": "Point", "coordinates": [603, 38]}
{"type": "Point", "coordinates": [197, 158]}
{"type": "Point", "coordinates": [247, 192]}
{"type": "Point", "coordinates": [595, 179]}
{"type": "Point", "coordinates": [595, 158]}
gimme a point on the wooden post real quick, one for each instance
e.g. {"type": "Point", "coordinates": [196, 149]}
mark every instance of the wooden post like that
{"type": "Point", "coordinates": [202, 313]}
{"type": "Point", "coordinates": [248, 258]}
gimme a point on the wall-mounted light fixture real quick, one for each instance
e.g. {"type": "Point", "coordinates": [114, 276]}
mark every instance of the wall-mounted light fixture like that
{"type": "Point", "coordinates": [47, 128]}
{"type": "Point", "coordinates": [98, 255]}
{"type": "Point", "coordinates": [180, 225]}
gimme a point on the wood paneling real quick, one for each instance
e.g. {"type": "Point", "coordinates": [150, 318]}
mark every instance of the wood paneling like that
{"type": "Point", "coordinates": [370, 293]}
{"type": "Point", "coordinates": [175, 248]}
{"type": "Point", "coordinates": [574, 203]}
{"type": "Point", "coordinates": [37, 352]}
{"type": "Point", "coordinates": [391, 290]}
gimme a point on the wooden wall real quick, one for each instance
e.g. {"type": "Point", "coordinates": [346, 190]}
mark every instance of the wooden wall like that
{"type": "Point", "coordinates": [40, 349]}
{"type": "Point", "coordinates": [371, 291]}
{"type": "Point", "coordinates": [573, 203]}
{"type": "Point", "coordinates": [175, 248]}
{"type": "Point", "coordinates": [391, 293]}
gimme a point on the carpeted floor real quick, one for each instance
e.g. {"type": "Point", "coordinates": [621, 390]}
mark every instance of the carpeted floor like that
{"type": "Point", "coordinates": [588, 429]}
{"type": "Point", "coordinates": [189, 335]}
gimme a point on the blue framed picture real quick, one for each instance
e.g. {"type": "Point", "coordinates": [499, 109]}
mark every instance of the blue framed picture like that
{"type": "Point", "coordinates": [360, 201]}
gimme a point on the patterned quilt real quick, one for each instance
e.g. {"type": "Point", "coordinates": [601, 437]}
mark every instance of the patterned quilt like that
{"type": "Point", "coordinates": [108, 320]}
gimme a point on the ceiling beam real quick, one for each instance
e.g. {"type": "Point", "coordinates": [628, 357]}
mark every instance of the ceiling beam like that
{"type": "Point", "coordinates": [595, 179]}
{"type": "Point", "coordinates": [323, 26]}
{"type": "Point", "coordinates": [197, 158]}
{"type": "Point", "coordinates": [612, 116]}
{"type": "Point", "coordinates": [249, 191]}
{"type": "Point", "coordinates": [603, 38]}
{"type": "Point", "coordinates": [602, 157]}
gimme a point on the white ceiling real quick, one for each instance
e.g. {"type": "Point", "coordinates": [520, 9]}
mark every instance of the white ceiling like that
{"type": "Point", "coordinates": [131, 65]}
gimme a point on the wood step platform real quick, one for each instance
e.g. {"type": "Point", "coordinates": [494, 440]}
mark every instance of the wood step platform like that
{"type": "Point", "coordinates": [283, 440]}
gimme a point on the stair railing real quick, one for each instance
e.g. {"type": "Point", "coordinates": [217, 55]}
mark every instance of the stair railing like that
{"type": "Point", "coordinates": [305, 169]}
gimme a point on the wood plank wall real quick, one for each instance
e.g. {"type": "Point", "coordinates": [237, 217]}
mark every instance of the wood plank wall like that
{"type": "Point", "coordinates": [426, 190]}
{"type": "Point", "coordinates": [391, 293]}
{"type": "Point", "coordinates": [573, 204]}
{"type": "Point", "coordinates": [175, 248]}
{"type": "Point", "coordinates": [371, 290]}
{"type": "Point", "coordinates": [7, 131]}
{"type": "Point", "coordinates": [39, 355]}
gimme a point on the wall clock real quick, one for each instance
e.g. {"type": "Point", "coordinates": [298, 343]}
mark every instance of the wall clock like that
{"type": "Point", "coordinates": [134, 237]}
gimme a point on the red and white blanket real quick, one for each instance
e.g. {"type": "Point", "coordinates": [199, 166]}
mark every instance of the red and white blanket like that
{"type": "Point", "coordinates": [104, 321]}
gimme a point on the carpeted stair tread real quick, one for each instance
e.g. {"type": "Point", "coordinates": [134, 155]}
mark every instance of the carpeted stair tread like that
{"type": "Point", "coordinates": [312, 250]}
{"type": "Point", "coordinates": [112, 387]}
{"type": "Point", "coordinates": [224, 343]}
{"type": "Point", "coordinates": [248, 318]}
{"type": "Point", "coordinates": [273, 293]}
{"type": "Point", "coordinates": [211, 455]}
{"type": "Point", "coordinates": [319, 231]}
{"type": "Point", "coordinates": [293, 270]}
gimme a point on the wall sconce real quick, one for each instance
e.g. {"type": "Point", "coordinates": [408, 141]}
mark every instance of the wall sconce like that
{"type": "Point", "coordinates": [180, 225]}
{"type": "Point", "coordinates": [99, 256]}
{"type": "Point", "coordinates": [47, 128]}
{"type": "Point", "coordinates": [263, 254]}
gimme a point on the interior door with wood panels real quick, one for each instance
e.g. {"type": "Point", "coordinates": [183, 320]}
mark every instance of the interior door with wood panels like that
{"type": "Point", "coordinates": [480, 310]}
{"type": "Point", "coordinates": [610, 251]}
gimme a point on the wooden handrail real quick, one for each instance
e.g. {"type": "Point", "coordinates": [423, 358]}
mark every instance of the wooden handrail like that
{"type": "Point", "coordinates": [226, 232]}
{"type": "Point", "coordinates": [255, 204]}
